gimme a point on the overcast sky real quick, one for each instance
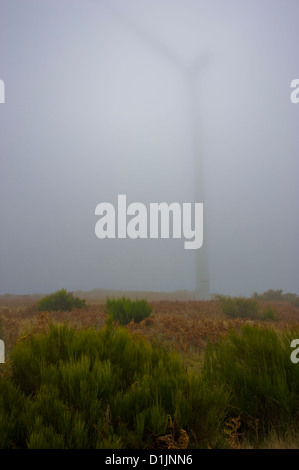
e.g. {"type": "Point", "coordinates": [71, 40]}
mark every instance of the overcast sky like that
{"type": "Point", "coordinates": [163, 101]}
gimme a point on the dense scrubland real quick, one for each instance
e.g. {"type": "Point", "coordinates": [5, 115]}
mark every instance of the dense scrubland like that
{"type": "Point", "coordinates": [149, 374]}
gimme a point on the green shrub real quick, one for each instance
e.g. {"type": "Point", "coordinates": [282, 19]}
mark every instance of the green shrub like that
{"type": "Point", "coordinates": [255, 367]}
{"type": "Point", "coordinates": [125, 310]}
{"type": "Point", "coordinates": [60, 300]}
{"type": "Point", "coordinates": [277, 295]}
{"type": "Point", "coordinates": [269, 314]}
{"type": "Point", "coordinates": [295, 301]}
{"type": "Point", "coordinates": [12, 424]}
{"type": "Point", "coordinates": [239, 307]}
{"type": "Point", "coordinates": [270, 294]}
{"type": "Point", "coordinates": [105, 388]}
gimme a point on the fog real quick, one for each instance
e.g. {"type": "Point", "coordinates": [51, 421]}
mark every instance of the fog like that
{"type": "Point", "coordinates": [161, 101]}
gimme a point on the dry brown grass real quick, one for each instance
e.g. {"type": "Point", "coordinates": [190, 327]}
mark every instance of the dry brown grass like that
{"type": "Point", "coordinates": [274, 441]}
{"type": "Point", "coordinates": [183, 325]}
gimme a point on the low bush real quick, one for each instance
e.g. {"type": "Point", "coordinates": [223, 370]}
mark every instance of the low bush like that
{"type": "Point", "coordinates": [106, 388]}
{"type": "Point", "coordinates": [125, 310]}
{"type": "Point", "coordinates": [295, 301]}
{"type": "Point", "coordinates": [269, 314]}
{"type": "Point", "coordinates": [277, 295]}
{"type": "Point", "coordinates": [239, 307]}
{"type": "Point", "coordinates": [60, 300]}
{"type": "Point", "coordinates": [270, 294]}
{"type": "Point", "coordinates": [255, 367]}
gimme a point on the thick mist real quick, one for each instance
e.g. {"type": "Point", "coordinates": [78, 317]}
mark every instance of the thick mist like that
{"type": "Point", "coordinates": [161, 101]}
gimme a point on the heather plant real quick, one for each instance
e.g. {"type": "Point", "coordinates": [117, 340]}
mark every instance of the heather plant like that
{"type": "Point", "coordinates": [125, 310]}
{"type": "Point", "coordinates": [277, 295]}
{"type": "Point", "coordinates": [239, 307]}
{"type": "Point", "coordinates": [269, 314]}
{"type": "Point", "coordinates": [295, 301]}
{"type": "Point", "coordinates": [60, 300]}
{"type": "Point", "coordinates": [270, 294]}
{"type": "Point", "coordinates": [255, 367]}
{"type": "Point", "coordinates": [88, 388]}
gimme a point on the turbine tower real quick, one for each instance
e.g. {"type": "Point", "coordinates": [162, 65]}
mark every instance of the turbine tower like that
{"type": "Point", "coordinates": [191, 74]}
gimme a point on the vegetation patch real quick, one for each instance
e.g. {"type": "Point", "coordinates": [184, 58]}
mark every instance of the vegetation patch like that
{"type": "Point", "coordinates": [104, 388]}
{"type": "Point", "coordinates": [199, 379]}
{"type": "Point", "coordinates": [125, 310]}
{"type": "Point", "coordinates": [239, 307]}
{"type": "Point", "coordinates": [278, 295]}
{"type": "Point", "coordinates": [60, 300]}
{"type": "Point", "coordinates": [255, 367]}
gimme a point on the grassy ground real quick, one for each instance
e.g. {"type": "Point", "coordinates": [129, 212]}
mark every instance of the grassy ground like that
{"type": "Point", "coordinates": [184, 326]}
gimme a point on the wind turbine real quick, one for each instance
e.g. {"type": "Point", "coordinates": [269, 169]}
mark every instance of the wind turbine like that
{"type": "Point", "coordinates": [191, 73]}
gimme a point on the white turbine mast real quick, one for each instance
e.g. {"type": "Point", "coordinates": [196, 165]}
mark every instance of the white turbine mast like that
{"type": "Point", "coordinates": [191, 74]}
